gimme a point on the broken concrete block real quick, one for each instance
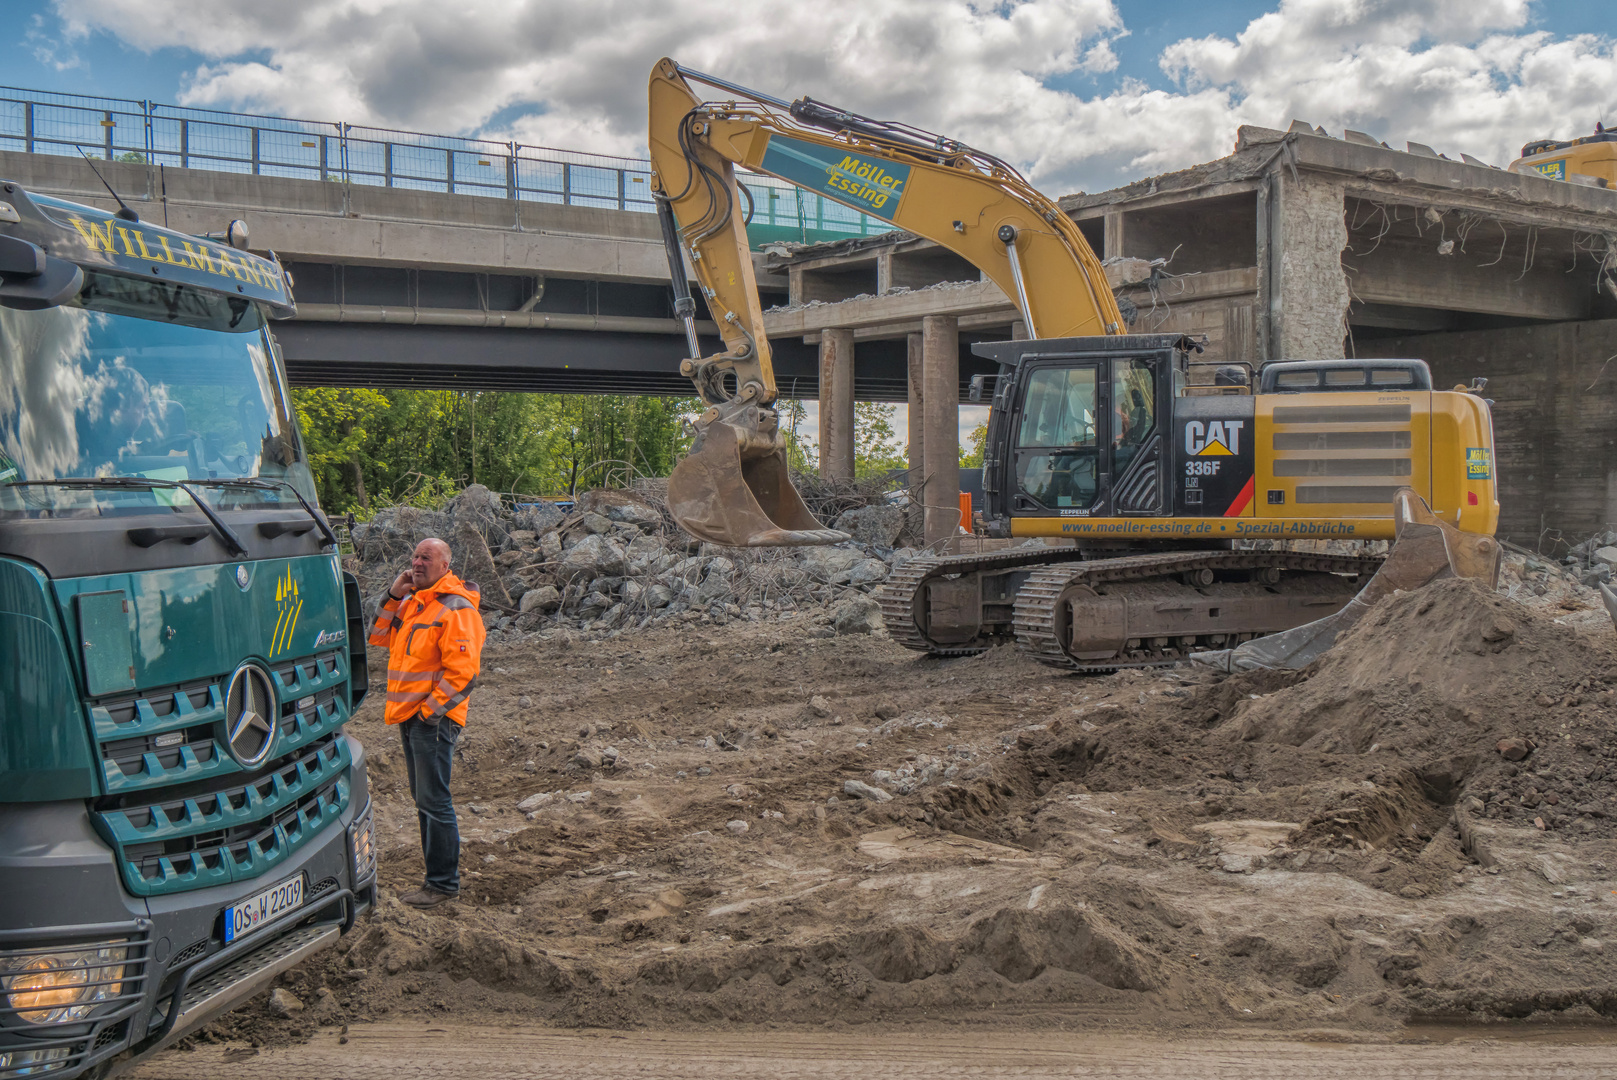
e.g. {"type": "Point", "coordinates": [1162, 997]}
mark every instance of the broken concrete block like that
{"type": "Point", "coordinates": [856, 614]}
{"type": "Point", "coordinates": [593, 557]}
{"type": "Point", "coordinates": [544, 598]}
{"type": "Point", "coordinates": [284, 1003]}
{"type": "Point", "coordinates": [876, 525]}
{"type": "Point", "coordinates": [862, 790]}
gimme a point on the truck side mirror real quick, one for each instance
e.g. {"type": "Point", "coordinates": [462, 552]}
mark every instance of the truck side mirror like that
{"type": "Point", "coordinates": [31, 280]}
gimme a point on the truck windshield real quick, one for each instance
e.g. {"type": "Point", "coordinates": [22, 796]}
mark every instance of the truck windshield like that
{"type": "Point", "coordinates": [142, 379]}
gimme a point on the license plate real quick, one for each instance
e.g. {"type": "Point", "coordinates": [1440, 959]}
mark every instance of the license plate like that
{"type": "Point", "coordinates": [265, 907]}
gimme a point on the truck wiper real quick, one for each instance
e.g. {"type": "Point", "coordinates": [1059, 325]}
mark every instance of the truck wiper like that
{"type": "Point", "coordinates": [232, 542]}
{"type": "Point", "coordinates": [276, 485]}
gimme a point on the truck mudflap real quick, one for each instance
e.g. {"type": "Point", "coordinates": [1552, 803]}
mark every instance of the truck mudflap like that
{"type": "Point", "coordinates": [1427, 549]}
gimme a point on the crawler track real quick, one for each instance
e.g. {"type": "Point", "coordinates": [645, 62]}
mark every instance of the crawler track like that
{"type": "Point", "coordinates": [1036, 601]}
{"type": "Point", "coordinates": [1055, 571]}
{"type": "Point", "coordinates": [898, 595]}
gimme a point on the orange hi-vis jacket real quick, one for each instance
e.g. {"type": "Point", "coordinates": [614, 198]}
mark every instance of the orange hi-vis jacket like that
{"type": "Point", "coordinates": [434, 640]}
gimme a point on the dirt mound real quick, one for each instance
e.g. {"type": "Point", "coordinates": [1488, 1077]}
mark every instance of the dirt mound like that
{"type": "Point", "coordinates": [1468, 692]}
{"type": "Point", "coordinates": [1403, 679]}
{"type": "Point", "coordinates": [1447, 694]}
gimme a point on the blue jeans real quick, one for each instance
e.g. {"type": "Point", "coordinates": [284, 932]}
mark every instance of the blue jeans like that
{"type": "Point", "coordinates": [429, 750]}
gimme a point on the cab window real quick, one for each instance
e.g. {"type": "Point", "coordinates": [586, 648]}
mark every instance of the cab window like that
{"type": "Point", "coordinates": [1057, 458]}
{"type": "Point", "coordinates": [1134, 410]}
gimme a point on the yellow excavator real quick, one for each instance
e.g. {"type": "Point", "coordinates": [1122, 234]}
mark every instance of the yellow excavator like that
{"type": "Point", "coordinates": [1095, 435]}
{"type": "Point", "coordinates": [1590, 160]}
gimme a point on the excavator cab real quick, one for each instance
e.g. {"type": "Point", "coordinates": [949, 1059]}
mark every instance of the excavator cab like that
{"type": "Point", "coordinates": [1078, 428]}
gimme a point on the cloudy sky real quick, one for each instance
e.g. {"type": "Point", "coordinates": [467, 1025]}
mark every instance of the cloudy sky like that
{"type": "Point", "coordinates": [1084, 93]}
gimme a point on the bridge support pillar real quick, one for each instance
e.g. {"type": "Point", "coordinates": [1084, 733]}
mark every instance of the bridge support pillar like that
{"type": "Point", "coordinates": [940, 401]}
{"type": "Point", "coordinates": [917, 411]}
{"type": "Point", "coordinates": [836, 404]}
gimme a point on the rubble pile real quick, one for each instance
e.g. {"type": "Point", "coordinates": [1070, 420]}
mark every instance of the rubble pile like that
{"type": "Point", "coordinates": [1594, 560]}
{"type": "Point", "coordinates": [617, 562]}
{"type": "Point", "coordinates": [1565, 592]}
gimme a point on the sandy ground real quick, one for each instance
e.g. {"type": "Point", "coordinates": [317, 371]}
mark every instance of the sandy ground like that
{"type": "Point", "coordinates": [1174, 854]}
{"type": "Point", "coordinates": [398, 1051]}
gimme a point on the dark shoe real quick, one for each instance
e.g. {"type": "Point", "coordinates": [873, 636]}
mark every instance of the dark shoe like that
{"type": "Point", "coordinates": [426, 898]}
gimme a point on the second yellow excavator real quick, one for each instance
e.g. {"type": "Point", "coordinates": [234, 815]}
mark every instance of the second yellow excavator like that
{"type": "Point", "coordinates": [1590, 160]}
{"type": "Point", "coordinates": [1095, 435]}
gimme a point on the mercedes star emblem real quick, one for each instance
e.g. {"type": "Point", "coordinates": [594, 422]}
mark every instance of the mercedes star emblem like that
{"type": "Point", "coordinates": [251, 710]}
{"type": "Point", "coordinates": [242, 577]}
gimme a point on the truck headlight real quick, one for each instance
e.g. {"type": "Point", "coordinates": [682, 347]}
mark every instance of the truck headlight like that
{"type": "Point", "coordinates": [64, 985]}
{"type": "Point", "coordinates": [363, 841]}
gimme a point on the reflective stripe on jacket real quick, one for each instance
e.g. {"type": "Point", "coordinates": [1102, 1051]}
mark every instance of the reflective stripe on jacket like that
{"type": "Point", "coordinates": [434, 640]}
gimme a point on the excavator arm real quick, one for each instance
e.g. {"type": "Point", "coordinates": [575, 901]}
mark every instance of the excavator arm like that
{"type": "Point", "coordinates": [733, 487]}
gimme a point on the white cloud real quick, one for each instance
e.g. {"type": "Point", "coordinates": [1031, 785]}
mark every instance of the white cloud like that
{"type": "Point", "coordinates": [1461, 76]}
{"type": "Point", "coordinates": [1099, 58]}
{"type": "Point", "coordinates": [47, 50]}
{"type": "Point", "coordinates": [1457, 76]}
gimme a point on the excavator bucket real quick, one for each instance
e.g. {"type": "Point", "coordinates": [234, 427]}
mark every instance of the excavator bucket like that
{"type": "Point", "coordinates": [733, 488]}
{"type": "Point", "coordinates": [1426, 549]}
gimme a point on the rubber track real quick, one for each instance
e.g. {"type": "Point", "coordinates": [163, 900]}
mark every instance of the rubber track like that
{"type": "Point", "coordinates": [1036, 600]}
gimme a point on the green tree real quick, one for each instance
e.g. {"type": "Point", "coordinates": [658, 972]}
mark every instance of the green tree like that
{"type": "Point", "coordinates": [876, 447]}
{"type": "Point", "coordinates": [338, 429]}
{"type": "Point", "coordinates": [597, 440]}
{"type": "Point", "coordinates": [368, 446]}
{"type": "Point", "coordinates": [971, 454]}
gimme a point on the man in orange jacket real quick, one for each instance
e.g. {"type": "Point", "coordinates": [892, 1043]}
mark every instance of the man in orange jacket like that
{"type": "Point", "coordinates": [434, 637]}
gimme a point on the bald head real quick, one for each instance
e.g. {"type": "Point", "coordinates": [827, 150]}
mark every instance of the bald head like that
{"type": "Point", "coordinates": [429, 563]}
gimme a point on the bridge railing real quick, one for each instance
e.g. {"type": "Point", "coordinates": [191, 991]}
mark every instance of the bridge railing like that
{"type": "Point", "coordinates": [40, 122]}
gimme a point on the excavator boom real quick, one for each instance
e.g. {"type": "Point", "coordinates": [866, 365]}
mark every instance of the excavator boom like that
{"type": "Point", "coordinates": [733, 488]}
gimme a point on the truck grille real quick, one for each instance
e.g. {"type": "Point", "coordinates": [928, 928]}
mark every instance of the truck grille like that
{"type": "Point", "coordinates": [175, 735]}
{"type": "Point", "coordinates": [199, 838]}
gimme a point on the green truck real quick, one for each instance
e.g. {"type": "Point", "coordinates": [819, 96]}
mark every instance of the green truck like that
{"type": "Point", "coordinates": [182, 815]}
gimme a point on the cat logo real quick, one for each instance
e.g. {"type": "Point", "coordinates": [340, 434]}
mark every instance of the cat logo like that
{"type": "Point", "coordinates": [288, 604]}
{"type": "Point", "coordinates": [1217, 438]}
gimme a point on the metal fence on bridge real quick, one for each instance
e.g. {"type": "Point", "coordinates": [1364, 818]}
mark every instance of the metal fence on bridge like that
{"type": "Point", "coordinates": [40, 122]}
